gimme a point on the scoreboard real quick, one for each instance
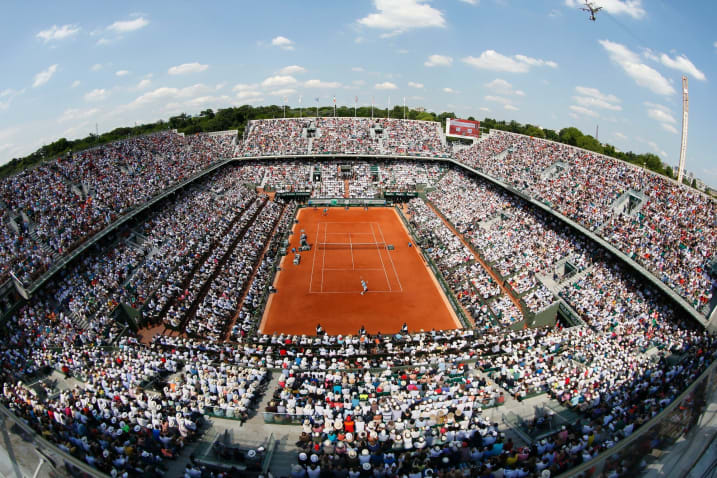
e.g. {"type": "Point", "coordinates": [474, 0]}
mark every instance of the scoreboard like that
{"type": "Point", "coordinates": [462, 128]}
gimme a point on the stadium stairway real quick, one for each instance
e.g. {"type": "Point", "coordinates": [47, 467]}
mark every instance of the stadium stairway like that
{"type": "Point", "coordinates": [46, 248]}
{"type": "Point", "coordinates": [573, 279]}
{"type": "Point", "coordinates": [347, 189]}
{"type": "Point", "coordinates": [220, 266]}
{"type": "Point", "coordinates": [199, 263]}
{"type": "Point", "coordinates": [250, 281]}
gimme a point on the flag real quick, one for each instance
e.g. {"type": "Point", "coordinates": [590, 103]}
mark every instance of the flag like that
{"type": "Point", "coordinates": [317, 99]}
{"type": "Point", "coordinates": [286, 99]}
{"type": "Point", "coordinates": [299, 99]}
{"type": "Point", "coordinates": [372, 99]}
{"type": "Point", "coordinates": [355, 99]}
{"type": "Point", "coordinates": [334, 99]}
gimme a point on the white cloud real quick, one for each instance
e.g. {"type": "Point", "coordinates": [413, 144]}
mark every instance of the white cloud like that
{"type": "Point", "coordinates": [204, 101]}
{"type": "Point", "coordinates": [122, 73]}
{"type": "Point", "coordinates": [413, 84]}
{"type": "Point", "coordinates": [44, 76]}
{"type": "Point", "coordinates": [357, 69]}
{"type": "Point", "coordinates": [358, 82]}
{"type": "Point", "coordinates": [75, 83]}
{"type": "Point", "coordinates": [398, 16]}
{"type": "Point", "coordinates": [166, 93]}
{"type": "Point", "coordinates": [292, 70]}
{"type": "Point", "coordinates": [669, 127]}
{"type": "Point", "coordinates": [621, 136]}
{"type": "Point", "coordinates": [581, 110]}
{"type": "Point", "coordinates": [511, 108]}
{"type": "Point", "coordinates": [438, 60]}
{"type": "Point", "coordinates": [58, 33]}
{"type": "Point", "coordinates": [655, 147]}
{"type": "Point", "coordinates": [448, 90]}
{"type": "Point", "coordinates": [282, 42]}
{"type": "Point", "coordinates": [503, 87]}
{"type": "Point", "coordinates": [592, 97]}
{"type": "Point", "coordinates": [248, 94]}
{"type": "Point", "coordinates": [7, 96]}
{"type": "Point", "coordinates": [322, 84]}
{"type": "Point", "coordinates": [283, 92]}
{"type": "Point", "coordinates": [483, 108]}
{"type": "Point", "coordinates": [245, 87]}
{"type": "Point", "coordinates": [641, 73]}
{"type": "Point", "coordinates": [128, 25]}
{"type": "Point", "coordinates": [96, 67]}
{"type": "Point", "coordinates": [144, 84]}
{"type": "Point", "coordinates": [631, 8]}
{"type": "Point", "coordinates": [98, 94]}
{"type": "Point", "coordinates": [497, 99]}
{"type": "Point", "coordinates": [715, 44]}
{"type": "Point", "coordinates": [492, 60]}
{"type": "Point", "coordinates": [75, 114]}
{"type": "Point", "coordinates": [386, 85]}
{"type": "Point", "coordinates": [535, 61]}
{"type": "Point", "coordinates": [682, 64]}
{"type": "Point", "coordinates": [185, 68]}
{"type": "Point", "coordinates": [278, 81]}
{"type": "Point", "coordinates": [471, 2]}
{"type": "Point", "coordinates": [662, 115]}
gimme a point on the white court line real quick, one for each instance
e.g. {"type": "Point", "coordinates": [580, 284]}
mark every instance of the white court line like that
{"type": "Point", "coordinates": [354, 292]}
{"type": "Point", "coordinates": [351, 245]}
{"type": "Point", "coordinates": [346, 270]}
{"type": "Point", "coordinates": [381, 257]}
{"type": "Point", "coordinates": [390, 258]}
{"type": "Point", "coordinates": [351, 222]}
{"type": "Point", "coordinates": [313, 261]}
{"type": "Point", "coordinates": [323, 261]}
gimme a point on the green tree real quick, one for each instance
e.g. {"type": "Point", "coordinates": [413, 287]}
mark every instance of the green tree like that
{"type": "Point", "coordinates": [570, 135]}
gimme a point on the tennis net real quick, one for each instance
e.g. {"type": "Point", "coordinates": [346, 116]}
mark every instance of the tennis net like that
{"type": "Point", "coordinates": [351, 245]}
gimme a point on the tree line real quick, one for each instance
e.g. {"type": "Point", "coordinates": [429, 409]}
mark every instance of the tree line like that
{"type": "Point", "coordinates": [238, 117]}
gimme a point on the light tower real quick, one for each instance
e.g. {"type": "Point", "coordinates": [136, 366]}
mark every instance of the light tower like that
{"type": "Point", "coordinates": [683, 146]}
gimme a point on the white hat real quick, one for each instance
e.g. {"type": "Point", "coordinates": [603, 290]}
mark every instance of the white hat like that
{"type": "Point", "coordinates": [367, 466]}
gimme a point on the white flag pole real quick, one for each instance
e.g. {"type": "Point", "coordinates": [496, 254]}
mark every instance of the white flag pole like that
{"type": "Point", "coordinates": [404, 107]}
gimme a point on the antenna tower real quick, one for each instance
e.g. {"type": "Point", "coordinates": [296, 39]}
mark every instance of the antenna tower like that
{"type": "Point", "coordinates": [683, 146]}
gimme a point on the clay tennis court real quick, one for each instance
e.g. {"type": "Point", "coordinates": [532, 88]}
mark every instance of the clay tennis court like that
{"type": "Point", "coordinates": [349, 246]}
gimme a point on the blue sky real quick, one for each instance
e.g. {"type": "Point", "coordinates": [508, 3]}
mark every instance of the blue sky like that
{"type": "Point", "coordinates": [68, 66]}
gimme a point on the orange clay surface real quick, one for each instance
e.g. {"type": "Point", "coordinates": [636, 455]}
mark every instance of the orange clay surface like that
{"type": "Point", "coordinates": [326, 286]}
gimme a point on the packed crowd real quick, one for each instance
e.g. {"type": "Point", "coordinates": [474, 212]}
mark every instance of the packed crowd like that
{"type": "Point", "coordinates": [359, 136]}
{"type": "Point", "coordinates": [197, 264]}
{"type": "Point", "coordinates": [474, 287]}
{"type": "Point", "coordinates": [61, 203]}
{"type": "Point", "coordinates": [672, 233]}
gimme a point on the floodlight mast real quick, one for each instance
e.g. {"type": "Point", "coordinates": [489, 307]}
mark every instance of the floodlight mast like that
{"type": "Point", "coordinates": [683, 146]}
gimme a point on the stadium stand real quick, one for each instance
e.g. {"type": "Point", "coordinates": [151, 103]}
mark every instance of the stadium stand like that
{"type": "Point", "coordinates": [200, 266]}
